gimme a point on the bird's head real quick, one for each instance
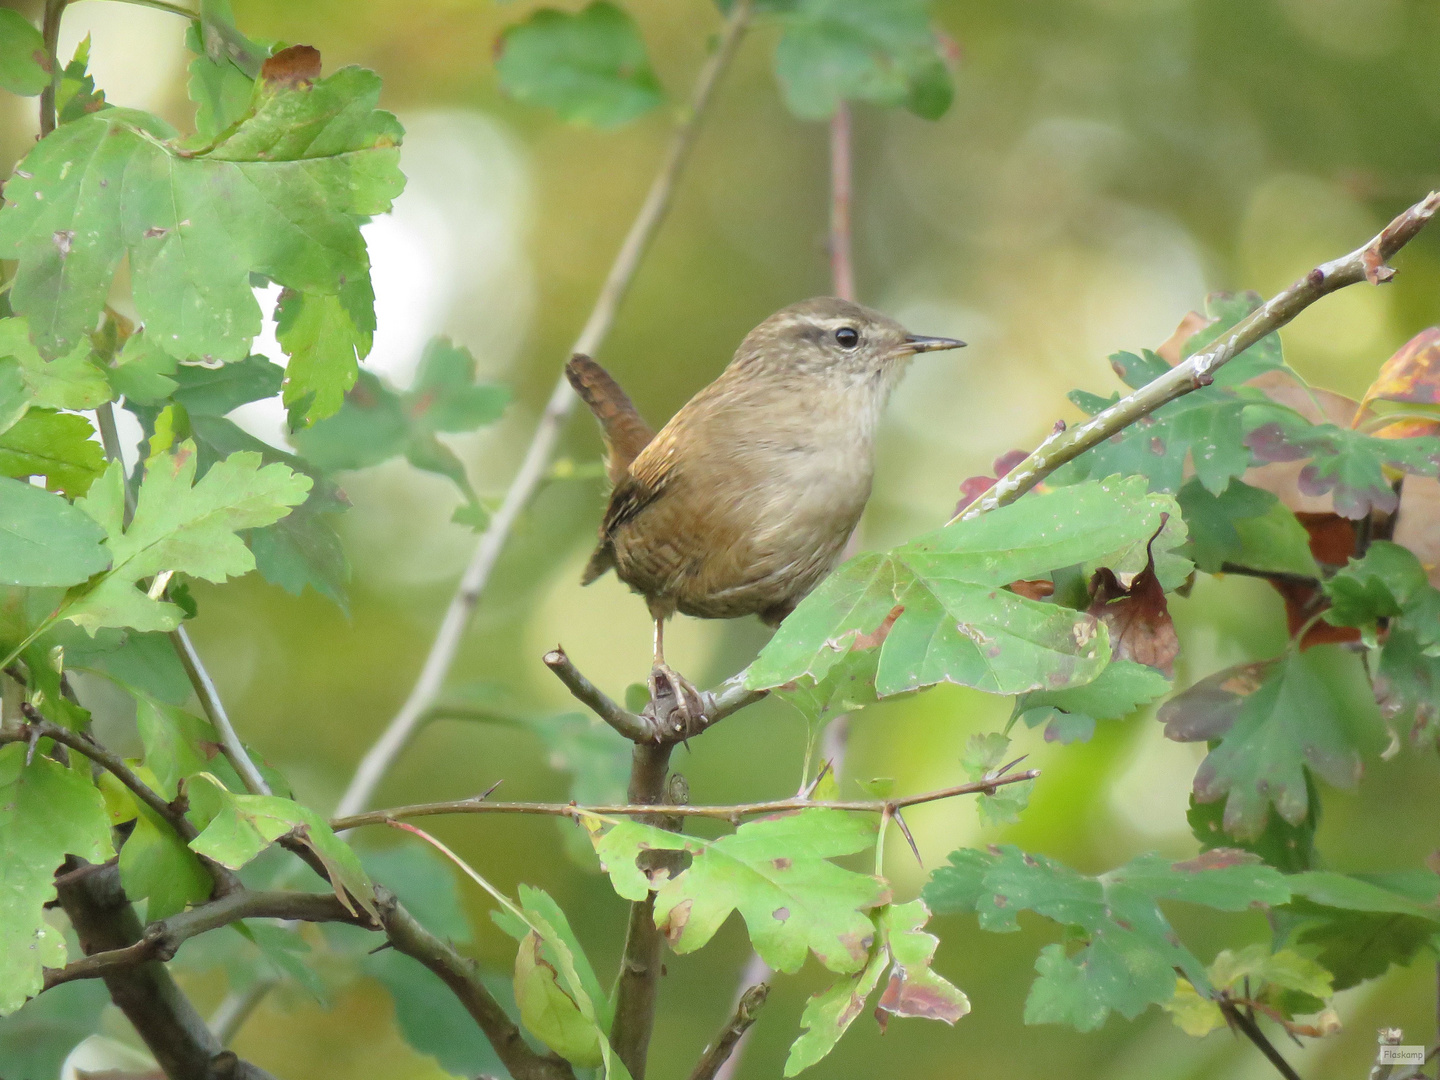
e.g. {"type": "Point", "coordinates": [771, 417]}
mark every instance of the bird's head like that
{"type": "Point", "coordinates": [828, 339]}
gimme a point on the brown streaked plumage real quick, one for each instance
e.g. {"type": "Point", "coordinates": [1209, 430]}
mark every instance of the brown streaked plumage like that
{"type": "Point", "coordinates": [744, 500]}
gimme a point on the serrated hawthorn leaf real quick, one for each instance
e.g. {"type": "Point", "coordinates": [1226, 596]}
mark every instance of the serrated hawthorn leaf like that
{"type": "Point", "coordinates": [1412, 374]}
{"type": "Point", "coordinates": [589, 67]}
{"type": "Point", "coordinates": [77, 95]}
{"type": "Point", "coordinates": [983, 756]}
{"type": "Point", "coordinates": [180, 526]}
{"type": "Point", "coordinates": [958, 623]}
{"type": "Point", "coordinates": [157, 867]}
{"type": "Point", "coordinates": [834, 51]}
{"type": "Point", "coordinates": [74, 381]}
{"type": "Point", "coordinates": [55, 445]}
{"type": "Point", "coordinates": [829, 1013]}
{"type": "Point", "coordinates": [24, 65]}
{"type": "Point", "coordinates": [1387, 581]}
{"type": "Point", "coordinates": [245, 825]}
{"type": "Point", "coordinates": [46, 812]}
{"type": "Point", "coordinates": [44, 540]}
{"type": "Point", "coordinates": [1246, 526]}
{"type": "Point", "coordinates": [1131, 952]}
{"type": "Point", "coordinates": [1273, 720]}
{"type": "Point", "coordinates": [278, 195]}
{"type": "Point", "coordinates": [325, 346]}
{"type": "Point", "coordinates": [775, 871]}
{"type": "Point", "coordinates": [222, 83]}
{"type": "Point", "coordinates": [1069, 715]}
{"type": "Point", "coordinates": [1349, 465]}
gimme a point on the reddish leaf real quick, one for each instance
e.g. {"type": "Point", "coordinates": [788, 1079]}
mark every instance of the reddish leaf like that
{"type": "Point", "coordinates": [1033, 590]}
{"type": "Point", "coordinates": [1332, 537]}
{"type": "Point", "coordinates": [291, 68]}
{"type": "Point", "coordinates": [1138, 617]}
{"type": "Point", "coordinates": [972, 488]}
{"type": "Point", "coordinates": [1332, 542]}
{"type": "Point", "coordinates": [876, 637]}
{"type": "Point", "coordinates": [1412, 374]}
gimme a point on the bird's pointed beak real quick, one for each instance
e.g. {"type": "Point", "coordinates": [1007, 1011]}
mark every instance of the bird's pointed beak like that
{"type": "Point", "coordinates": [919, 343]}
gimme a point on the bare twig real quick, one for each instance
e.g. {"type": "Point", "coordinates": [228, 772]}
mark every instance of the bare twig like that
{"type": "Point", "coordinates": [729, 697]}
{"type": "Point", "coordinates": [160, 940]}
{"type": "Point", "coordinates": [728, 812]}
{"type": "Point", "coordinates": [719, 1051]}
{"type": "Point", "coordinates": [842, 263]}
{"type": "Point", "coordinates": [237, 1007]}
{"type": "Point", "coordinates": [209, 696]}
{"type": "Point", "coordinates": [175, 1034]}
{"type": "Point", "coordinates": [393, 740]}
{"type": "Point", "coordinates": [1367, 263]}
{"type": "Point", "coordinates": [1240, 1020]}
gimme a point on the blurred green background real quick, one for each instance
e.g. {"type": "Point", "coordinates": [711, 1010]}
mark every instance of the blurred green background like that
{"type": "Point", "coordinates": [1105, 164]}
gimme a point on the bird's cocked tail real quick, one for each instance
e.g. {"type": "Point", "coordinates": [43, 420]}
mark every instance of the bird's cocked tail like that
{"type": "Point", "coordinates": [625, 430]}
{"type": "Point", "coordinates": [601, 562]}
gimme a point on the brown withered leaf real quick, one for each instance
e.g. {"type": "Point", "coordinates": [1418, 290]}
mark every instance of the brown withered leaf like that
{"type": "Point", "coordinates": [1333, 541]}
{"type": "Point", "coordinates": [1138, 618]}
{"type": "Point", "coordinates": [1033, 590]}
{"type": "Point", "coordinates": [1417, 526]}
{"type": "Point", "coordinates": [1172, 350]}
{"type": "Point", "coordinates": [1282, 478]}
{"type": "Point", "coordinates": [1412, 374]}
{"type": "Point", "coordinates": [291, 68]}
{"type": "Point", "coordinates": [875, 638]}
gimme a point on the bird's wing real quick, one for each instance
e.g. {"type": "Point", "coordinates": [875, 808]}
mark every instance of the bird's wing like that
{"type": "Point", "coordinates": [625, 430]}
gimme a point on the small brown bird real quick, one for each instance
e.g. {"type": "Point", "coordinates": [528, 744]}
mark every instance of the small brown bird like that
{"type": "Point", "coordinates": [745, 499]}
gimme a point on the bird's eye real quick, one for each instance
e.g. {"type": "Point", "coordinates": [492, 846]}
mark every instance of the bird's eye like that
{"type": "Point", "coordinates": [848, 337]}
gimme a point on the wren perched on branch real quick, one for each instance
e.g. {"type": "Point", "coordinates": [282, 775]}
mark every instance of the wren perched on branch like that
{"type": "Point", "coordinates": [745, 499]}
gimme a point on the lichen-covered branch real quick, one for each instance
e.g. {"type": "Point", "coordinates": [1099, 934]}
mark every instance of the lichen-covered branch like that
{"type": "Point", "coordinates": [1367, 263]}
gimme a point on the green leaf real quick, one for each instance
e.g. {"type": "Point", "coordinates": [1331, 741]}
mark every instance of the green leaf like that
{"type": "Point", "coordinates": [142, 372]}
{"type": "Point", "coordinates": [829, 1013]}
{"type": "Point", "coordinates": [24, 67]}
{"type": "Point", "coordinates": [222, 75]}
{"type": "Point", "coordinates": [1387, 581]}
{"type": "Point", "coordinates": [1350, 465]}
{"type": "Point", "coordinates": [1272, 720]}
{"type": "Point", "coordinates": [775, 872]}
{"type": "Point", "coordinates": [14, 397]}
{"type": "Point", "coordinates": [913, 988]}
{"type": "Point", "coordinates": [376, 423]}
{"type": "Point", "coordinates": [46, 812]}
{"type": "Point", "coordinates": [590, 67]}
{"type": "Point", "coordinates": [1246, 526]}
{"type": "Point", "coordinates": [73, 381]}
{"type": "Point", "coordinates": [325, 346]}
{"type": "Point", "coordinates": [245, 825]}
{"type": "Point", "coordinates": [77, 95]}
{"type": "Point", "coordinates": [1130, 953]}
{"type": "Point", "coordinates": [143, 662]}
{"type": "Point", "coordinates": [55, 445]}
{"type": "Point", "coordinates": [213, 392]}
{"type": "Point", "coordinates": [430, 1017]}
{"type": "Point", "coordinates": [1357, 928]}
{"type": "Point", "coordinates": [36, 1040]}
{"type": "Point", "coordinates": [1407, 684]}
{"type": "Point", "coordinates": [546, 1008]}
{"type": "Point", "coordinates": [179, 527]}
{"type": "Point", "coordinates": [1289, 848]}
{"type": "Point", "coordinates": [155, 865]}
{"type": "Point", "coordinates": [1256, 973]}
{"type": "Point", "coordinates": [937, 608]}
{"type": "Point", "coordinates": [984, 754]}
{"type": "Point", "coordinates": [280, 196]}
{"type": "Point", "coordinates": [1069, 715]}
{"type": "Point", "coordinates": [44, 540]}
{"type": "Point", "coordinates": [177, 744]}
{"type": "Point", "coordinates": [1225, 310]}
{"type": "Point", "coordinates": [856, 50]}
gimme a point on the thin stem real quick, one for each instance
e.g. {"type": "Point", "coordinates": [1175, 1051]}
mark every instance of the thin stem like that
{"type": "Point", "coordinates": [1367, 263]}
{"type": "Point", "coordinates": [732, 812]}
{"type": "Point", "coordinates": [1282, 576]}
{"type": "Point", "coordinates": [230, 1016]}
{"type": "Point", "coordinates": [1251, 1030]}
{"type": "Point", "coordinates": [719, 1051]}
{"type": "Point", "coordinates": [842, 264]}
{"type": "Point", "coordinates": [378, 759]}
{"type": "Point", "coordinates": [50, 35]}
{"type": "Point", "coordinates": [209, 696]}
{"type": "Point", "coordinates": [161, 5]}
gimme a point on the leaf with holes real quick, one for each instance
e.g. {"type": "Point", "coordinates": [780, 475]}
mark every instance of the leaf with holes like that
{"type": "Point", "coordinates": [938, 609]}
{"type": "Point", "coordinates": [834, 51]}
{"type": "Point", "coordinates": [46, 812]}
{"type": "Point", "coordinates": [1129, 953]}
{"type": "Point", "coordinates": [279, 195]}
{"type": "Point", "coordinates": [776, 872]}
{"type": "Point", "coordinates": [590, 67]}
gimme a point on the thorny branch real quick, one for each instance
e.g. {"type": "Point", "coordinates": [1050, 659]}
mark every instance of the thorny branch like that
{"type": "Point", "coordinates": [1367, 263]}
{"type": "Point", "coordinates": [393, 740]}
{"type": "Point", "coordinates": [731, 812]}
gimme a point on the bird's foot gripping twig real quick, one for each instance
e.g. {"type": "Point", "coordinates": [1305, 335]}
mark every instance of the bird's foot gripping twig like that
{"type": "Point", "coordinates": [675, 705]}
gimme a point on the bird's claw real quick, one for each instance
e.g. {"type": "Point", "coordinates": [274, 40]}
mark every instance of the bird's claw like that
{"type": "Point", "coordinates": [674, 703]}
